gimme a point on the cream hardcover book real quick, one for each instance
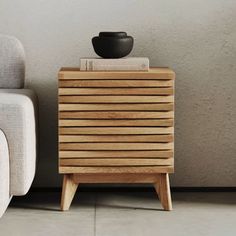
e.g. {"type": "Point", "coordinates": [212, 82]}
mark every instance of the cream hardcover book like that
{"type": "Point", "coordinates": [121, 64]}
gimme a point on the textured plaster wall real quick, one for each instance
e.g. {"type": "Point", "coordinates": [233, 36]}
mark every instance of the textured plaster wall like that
{"type": "Point", "coordinates": [197, 38]}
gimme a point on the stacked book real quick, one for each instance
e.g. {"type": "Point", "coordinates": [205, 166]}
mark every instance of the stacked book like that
{"type": "Point", "coordinates": [121, 64]}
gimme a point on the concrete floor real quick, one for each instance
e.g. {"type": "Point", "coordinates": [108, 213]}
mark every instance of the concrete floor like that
{"type": "Point", "coordinates": [121, 214]}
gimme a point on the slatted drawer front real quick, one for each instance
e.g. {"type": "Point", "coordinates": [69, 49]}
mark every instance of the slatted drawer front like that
{"type": "Point", "coordinates": [118, 120]}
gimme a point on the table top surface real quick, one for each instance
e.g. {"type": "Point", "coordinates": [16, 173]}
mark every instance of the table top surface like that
{"type": "Point", "coordinates": [165, 71]}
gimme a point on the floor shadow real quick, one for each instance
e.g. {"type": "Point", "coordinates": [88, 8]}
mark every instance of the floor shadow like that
{"type": "Point", "coordinates": [35, 207]}
{"type": "Point", "coordinates": [51, 201]}
{"type": "Point", "coordinates": [128, 207]}
{"type": "Point", "coordinates": [223, 198]}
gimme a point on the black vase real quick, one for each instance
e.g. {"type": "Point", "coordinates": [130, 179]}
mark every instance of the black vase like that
{"type": "Point", "coordinates": [112, 44]}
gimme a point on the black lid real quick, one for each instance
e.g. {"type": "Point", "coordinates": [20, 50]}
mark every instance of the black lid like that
{"type": "Point", "coordinates": [113, 34]}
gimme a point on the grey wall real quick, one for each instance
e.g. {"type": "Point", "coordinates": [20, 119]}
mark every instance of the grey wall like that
{"type": "Point", "coordinates": [197, 38]}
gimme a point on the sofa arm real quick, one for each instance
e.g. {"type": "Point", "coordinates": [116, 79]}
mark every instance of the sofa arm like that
{"type": "Point", "coordinates": [18, 122]}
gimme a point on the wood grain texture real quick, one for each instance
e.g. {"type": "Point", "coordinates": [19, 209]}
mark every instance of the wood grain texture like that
{"type": "Point", "coordinates": [116, 162]}
{"type": "Point", "coordinates": [116, 170]}
{"type": "Point", "coordinates": [116, 138]}
{"type": "Point", "coordinates": [116, 130]}
{"type": "Point", "coordinates": [121, 122]}
{"type": "Point", "coordinates": [115, 115]}
{"type": "Point", "coordinates": [68, 191]}
{"type": "Point", "coordinates": [112, 83]}
{"type": "Point", "coordinates": [116, 99]}
{"type": "Point", "coordinates": [115, 146]}
{"type": "Point", "coordinates": [153, 73]}
{"type": "Point", "coordinates": [117, 107]}
{"type": "Point", "coordinates": [117, 154]}
{"type": "Point", "coordinates": [116, 178]}
{"type": "Point", "coordinates": [162, 187]}
{"type": "Point", "coordinates": [166, 88]}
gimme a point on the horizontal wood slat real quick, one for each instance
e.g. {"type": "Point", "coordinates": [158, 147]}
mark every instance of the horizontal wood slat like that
{"type": "Point", "coordinates": [116, 99]}
{"type": "Point", "coordinates": [153, 73]}
{"type": "Point", "coordinates": [120, 91]}
{"type": "Point", "coordinates": [116, 107]}
{"type": "Point", "coordinates": [116, 178]}
{"type": "Point", "coordinates": [116, 138]}
{"type": "Point", "coordinates": [115, 115]}
{"type": "Point", "coordinates": [116, 170]}
{"type": "Point", "coordinates": [132, 123]}
{"type": "Point", "coordinates": [116, 130]}
{"type": "Point", "coordinates": [116, 162]}
{"type": "Point", "coordinates": [113, 83]}
{"type": "Point", "coordinates": [116, 154]}
{"type": "Point", "coordinates": [115, 146]}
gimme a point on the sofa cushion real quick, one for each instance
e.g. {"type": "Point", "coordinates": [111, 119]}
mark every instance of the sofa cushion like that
{"type": "Point", "coordinates": [4, 174]}
{"type": "Point", "coordinates": [18, 122]}
{"type": "Point", "coordinates": [12, 62]}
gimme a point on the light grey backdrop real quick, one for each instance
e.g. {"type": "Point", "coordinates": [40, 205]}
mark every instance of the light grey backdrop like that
{"type": "Point", "coordinates": [197, 38]}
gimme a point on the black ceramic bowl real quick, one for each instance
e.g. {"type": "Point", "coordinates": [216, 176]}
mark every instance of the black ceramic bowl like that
{"type": "Point", "coordinates": [112, 44]}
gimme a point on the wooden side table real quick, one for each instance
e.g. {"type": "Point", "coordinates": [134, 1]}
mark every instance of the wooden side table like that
{"type": "Point", "coordinates": [116, 127]}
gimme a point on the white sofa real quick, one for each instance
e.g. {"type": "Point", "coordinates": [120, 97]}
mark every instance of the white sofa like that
{"type": "Point", "coordinates": [18, 124]}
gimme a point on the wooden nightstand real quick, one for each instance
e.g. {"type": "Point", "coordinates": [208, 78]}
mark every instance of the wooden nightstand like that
{"type": "Point", "coordinates": [116, 127]}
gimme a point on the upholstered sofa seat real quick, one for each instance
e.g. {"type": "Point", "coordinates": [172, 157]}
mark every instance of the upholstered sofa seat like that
{"type": "Point", "coordinates": [18, 120]}
{"type": "Point", "coordinates": [5, 195]}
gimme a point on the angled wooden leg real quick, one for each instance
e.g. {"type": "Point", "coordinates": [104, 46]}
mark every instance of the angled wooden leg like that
{"type": "Point", "coordinates": [163, 190]}
{"type": "Point", "coordinates": [68, 191]}
{"type": "Point", "coordinates": [157, 188]}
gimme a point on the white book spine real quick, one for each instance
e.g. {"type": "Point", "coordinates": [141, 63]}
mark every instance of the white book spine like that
{"type": "Point", "coordinates": [123, 64]}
